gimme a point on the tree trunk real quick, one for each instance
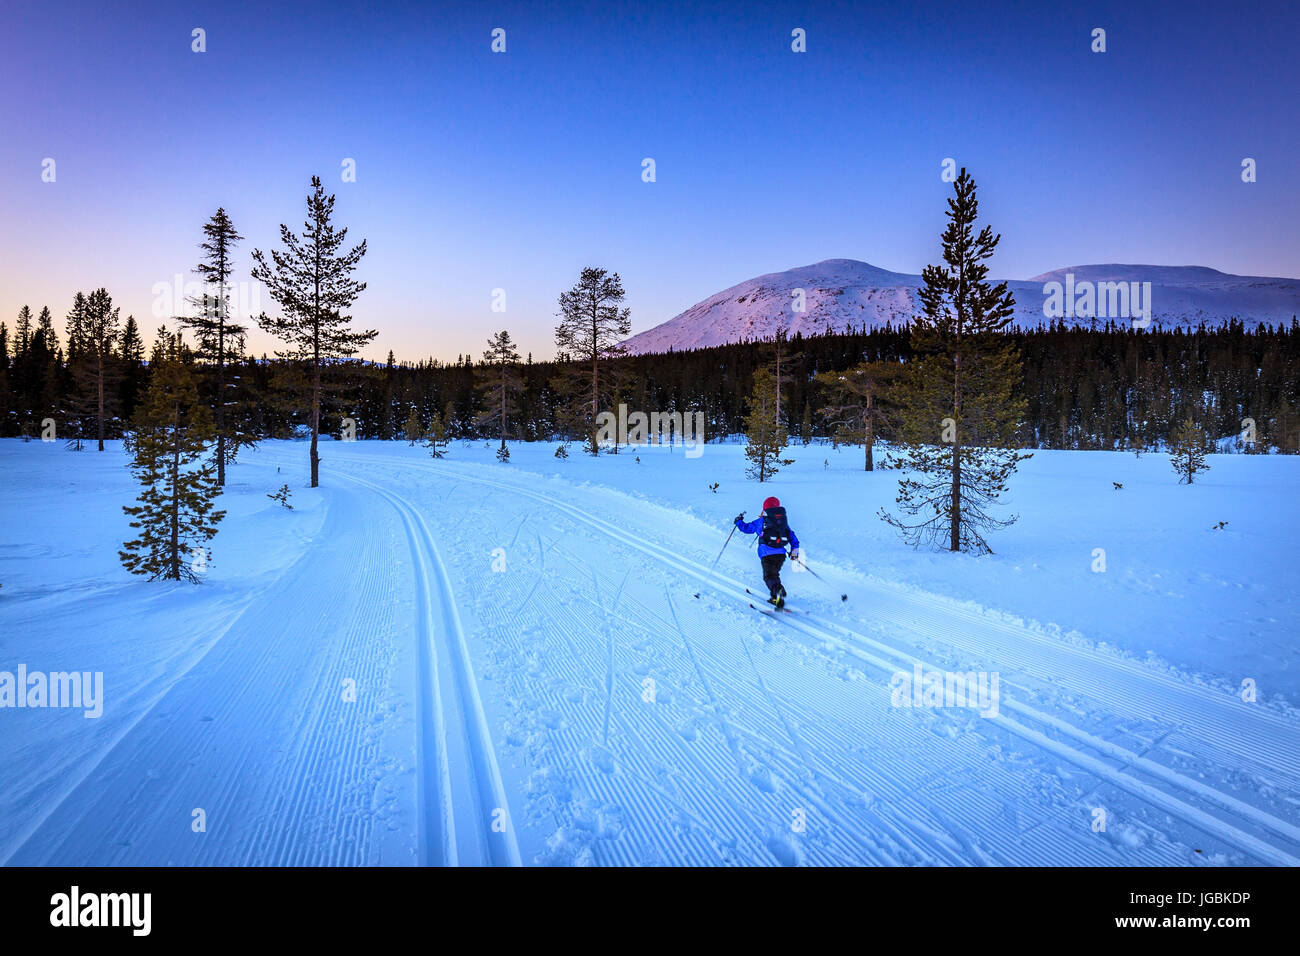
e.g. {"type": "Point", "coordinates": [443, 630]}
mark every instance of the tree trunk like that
{"type": "Point", "coordinates": [868, 436]}
{"type": "Point", "coordinates": [778, 379]}
{"type": "Point", "coordinates": [954, 543]}
{"type": "Point", "coordinates": [174, 552]}
{"type": "Point", "coordinates": [221, 363]}
{"type": "Point", "coordinates": [595, 374]}
{"type": "Point", "coordinates": [221, 404]}
{"type": "Point", "coordinates": [315, 383]}
{"type": "Point", "coordinates": [100, 384]}
{"type": "Point", "coordinates": [315, 422]}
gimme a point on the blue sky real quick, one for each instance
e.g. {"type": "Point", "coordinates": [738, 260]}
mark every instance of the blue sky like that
{"type": "Point", "coordinates": [478, 171]}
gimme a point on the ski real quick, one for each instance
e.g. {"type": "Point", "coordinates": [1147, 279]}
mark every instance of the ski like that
{"type": "Point", "coordinates": [775, 611]}
{"type": "Point", "coordinates": [770, 609]}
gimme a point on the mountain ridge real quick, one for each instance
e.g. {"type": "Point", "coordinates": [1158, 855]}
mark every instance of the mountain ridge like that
{"type": "Point", "coordinates": [838, 294]}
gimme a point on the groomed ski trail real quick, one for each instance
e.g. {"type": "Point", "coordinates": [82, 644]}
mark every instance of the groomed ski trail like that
{"type": "Point", "coordinates": [464, 813]}
{"type": "Point", "coordinates": [1169, 790]}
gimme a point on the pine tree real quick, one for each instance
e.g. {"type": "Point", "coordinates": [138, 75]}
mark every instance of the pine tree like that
{"type": "Point", "coordinates": [960, 413]}
{"type": "Point", "coordinates": [499, 383]}
{"type": "Point", "coordinates": [1187, 447]}
{"type": "Point", "coordinates": [767, 437]}
{"type": "Point", "coordinates": [592, 326]}
{"type": "Point", "coordinates": [413, 429]}
{"type": "Point", "coordinates": [175, 515]}
{"type": "Point", "coordinates": [856, 406]}
{"type": "Point", "coordinates": [218, 338]}
{"type": "Point", "coordinates": [435, 439]}
{"type": "Point", "coordinates": [312, 282]}
{"type": "Point", "coordinates": [805, 424]}
{"type": "Point", "coordinates": [782, 359]}
{"type": "Point", "coordinates": [97, 370]}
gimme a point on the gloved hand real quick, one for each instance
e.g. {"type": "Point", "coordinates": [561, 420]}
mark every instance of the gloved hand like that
{"type": "Point", "coordinates": [794, 556]}
{"type": "Point", "coordinates": [739, 518]}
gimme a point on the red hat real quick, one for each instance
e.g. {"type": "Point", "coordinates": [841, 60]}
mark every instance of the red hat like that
{"type": "Point", "coordinates": [771, 503]}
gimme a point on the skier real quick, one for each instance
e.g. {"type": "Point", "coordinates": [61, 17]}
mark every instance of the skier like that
{"type": "Point", "coordinates": [774, 533]}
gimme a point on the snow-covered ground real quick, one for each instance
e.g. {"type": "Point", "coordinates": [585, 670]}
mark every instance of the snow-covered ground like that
{"type": "Point", "coordinates": [467, 662]}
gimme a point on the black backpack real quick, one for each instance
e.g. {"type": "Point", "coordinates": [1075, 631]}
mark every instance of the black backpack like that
{"type": "Point", "coordinates": [776, 530]}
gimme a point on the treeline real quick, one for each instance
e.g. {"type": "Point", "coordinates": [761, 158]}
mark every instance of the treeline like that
{"type": "Point", "coordinates": [1085, 388]}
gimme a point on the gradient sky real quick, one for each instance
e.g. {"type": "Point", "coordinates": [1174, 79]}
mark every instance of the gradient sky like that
{"type": "Point", "coordinates": [478, 170]}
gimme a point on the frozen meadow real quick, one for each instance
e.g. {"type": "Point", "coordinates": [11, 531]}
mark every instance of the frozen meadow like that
{"type": "Point", "coordinates": [462, 661]}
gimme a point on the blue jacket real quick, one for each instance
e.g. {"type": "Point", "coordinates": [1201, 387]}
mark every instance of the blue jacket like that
{"type": "Point", "coordinates": [756, 527]}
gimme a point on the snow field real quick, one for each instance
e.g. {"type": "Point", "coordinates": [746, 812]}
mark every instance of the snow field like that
{"type": "Point", "coordinates": [537, 682]}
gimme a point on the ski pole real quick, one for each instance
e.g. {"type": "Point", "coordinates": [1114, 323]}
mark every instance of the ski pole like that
{"type": "Point", "coordinates": [803, 564]}
{"type": "Point", "coordinates": [724, 546]}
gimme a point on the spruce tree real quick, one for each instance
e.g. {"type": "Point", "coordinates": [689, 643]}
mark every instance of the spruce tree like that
{"type": "Point", "coordinates": [175, 515]}
{"type": "Point", "coordinates": [592, 326]}
{"type": "Point", "coordinates": [161, 344]}
{"type": "Point", "coordinates": [6, 403]}
{"type": "Point", "coordinates": [22, 331]}
{"type": "Point", "coordinates": [1187, 447]}
{"type": "Point", "coordinates": [960, 414]}
{"type": "Point", "coordinates": [767, 437]}
{"type": "Point", "coordinates": [131, 361]}
{"type": "Point", "coordinates": [499, 382]}
{"type": "Point", "coordinates": [311, 280]}
{"type": "Point", "coordinates": [132, 345]}
{"type": "Point", "coordinates": [218, 339]}
{"type": "Point", "coordinates": [76, 329]}
{"type": "Point", "coordinates": [45, 328]}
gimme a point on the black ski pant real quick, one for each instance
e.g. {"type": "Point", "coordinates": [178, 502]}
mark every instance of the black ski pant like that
{"type": "Point", "coordinates": [772, 573]}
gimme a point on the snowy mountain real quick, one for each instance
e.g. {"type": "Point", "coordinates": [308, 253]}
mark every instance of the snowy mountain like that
{"type": "Point", "coordinates": [843, 293]}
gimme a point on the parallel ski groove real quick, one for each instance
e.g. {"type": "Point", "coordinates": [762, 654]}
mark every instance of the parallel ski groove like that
{"type": "Point", "coordinates": [454, 694]}
{"type": "Point", "coordinates": [1152, 794]}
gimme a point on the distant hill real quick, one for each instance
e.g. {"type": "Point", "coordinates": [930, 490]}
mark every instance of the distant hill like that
{"type": "Point", "coordinates": [839, 294]}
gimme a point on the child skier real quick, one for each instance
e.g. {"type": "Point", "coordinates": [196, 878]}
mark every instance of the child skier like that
{"type": "Point", "coordinates": [774, 534]}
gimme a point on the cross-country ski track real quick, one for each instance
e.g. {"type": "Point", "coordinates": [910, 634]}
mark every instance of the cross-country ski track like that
{"type": "Point", "coordinates": [543, 675]}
